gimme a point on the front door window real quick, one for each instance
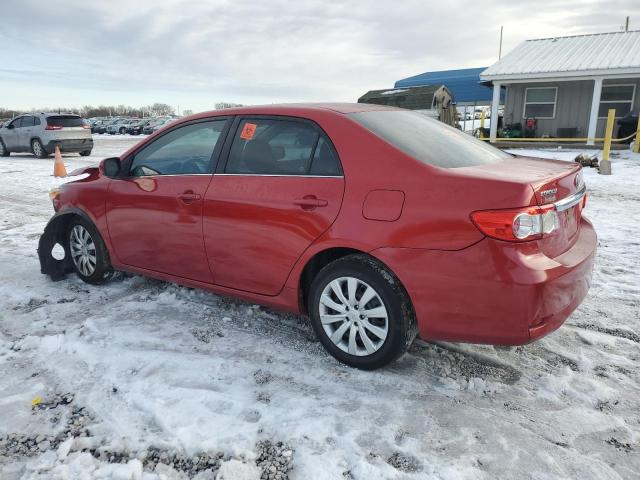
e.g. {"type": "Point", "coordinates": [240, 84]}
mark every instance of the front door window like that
{"type": "Point", "coordinates": [186, 150]}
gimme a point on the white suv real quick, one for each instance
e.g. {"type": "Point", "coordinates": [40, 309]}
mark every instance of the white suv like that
{"type": "Point", "coordinates": [40, 133]}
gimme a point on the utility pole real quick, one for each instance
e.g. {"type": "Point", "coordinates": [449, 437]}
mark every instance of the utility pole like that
{"type": "Point", "coordinates": [626, 25]}
{"type": "Point", "coordinates": [500, 50]}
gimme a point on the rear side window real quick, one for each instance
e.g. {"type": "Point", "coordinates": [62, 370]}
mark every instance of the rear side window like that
{"type": "Point", "coordinates": [428, 140]}
{"type": "Point", "coordinates": [325, 161]}
{"type": "Point", "coordinates": [65, 121]}
{"type": "Point", "coordinates": [280, 147]}
{"type": "Point", "coordinates": [186, 150]}
{"type": "Point", "coordinates": [36, 121]}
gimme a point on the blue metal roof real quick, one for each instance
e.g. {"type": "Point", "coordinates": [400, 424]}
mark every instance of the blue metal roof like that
{"type": "Point", "coordinates": [463, 83]}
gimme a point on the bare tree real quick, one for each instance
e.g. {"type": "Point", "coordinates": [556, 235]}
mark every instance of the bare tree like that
{"type": "Point", "coordinates": [90, 111]}
{"type": "Point", "coordinates": [160, 109]}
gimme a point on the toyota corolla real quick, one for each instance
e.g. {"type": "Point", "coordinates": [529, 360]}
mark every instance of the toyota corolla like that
{"type": "Point", "coordinates": [380, 224]}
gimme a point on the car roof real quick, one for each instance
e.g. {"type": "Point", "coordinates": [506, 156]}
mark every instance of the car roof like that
{"type": "Point", "coordinates": [43, 114]}
{"type": "Point", "coordinates": [301, 108]}
{"type": "Point", "coordinates": [58, 114]}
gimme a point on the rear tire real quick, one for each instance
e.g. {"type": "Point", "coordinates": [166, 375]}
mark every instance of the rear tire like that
{"type": "Point", "coordinates": [365, 335]}
{"type": "Point", "coordinates": [88, 252]}
{"type": "Point", "coordinates": [3, 150]}
{"type": "Point", "coordinates": [86, 153]}
{"type": "Point", "coordinates": [38, 149]}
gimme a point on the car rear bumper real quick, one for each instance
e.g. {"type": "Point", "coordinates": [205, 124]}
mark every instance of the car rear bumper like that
{"type": "Point", "coordinates": [79, 145]}
{"type": "Point", "coordinates": [494, 292]}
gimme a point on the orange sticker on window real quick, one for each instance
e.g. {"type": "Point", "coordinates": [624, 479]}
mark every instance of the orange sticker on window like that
{"type": "Point", "coordinates": [248, 131]}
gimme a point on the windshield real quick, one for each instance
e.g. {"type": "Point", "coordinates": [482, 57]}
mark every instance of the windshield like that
{"type": "Point", "coordinates": [428, 140]}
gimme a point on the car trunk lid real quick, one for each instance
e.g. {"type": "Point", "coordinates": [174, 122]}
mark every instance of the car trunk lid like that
{"type": "Point", "coordinates": [551, 182]}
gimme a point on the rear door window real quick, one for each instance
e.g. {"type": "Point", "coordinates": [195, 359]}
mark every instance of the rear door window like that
{"type": "Point", "coordinates": [428, 140]}
{"type": "Point", "coordinates": [186, 150]}
{"type": "Point", "coordinates": [278, 147]}
{"type": "Point", "coordinates": [65, 121]}
{"type": "Point", "coordinates": [27, 121]}
{"type": "Point", "coordinates": [325, 161]}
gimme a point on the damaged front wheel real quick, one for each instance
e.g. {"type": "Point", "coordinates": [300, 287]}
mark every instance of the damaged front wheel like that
{"type": "Point", "coordinates": [88, 252]}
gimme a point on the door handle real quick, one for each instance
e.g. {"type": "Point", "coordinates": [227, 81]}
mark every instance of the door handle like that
{"type": "Point", "coordinates": [189, 197]}
{"type": "Point", "coordinates": [309, 202]}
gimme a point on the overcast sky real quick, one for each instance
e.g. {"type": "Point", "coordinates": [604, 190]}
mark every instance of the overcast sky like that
{"type": "Point", "coordinates": [196, 53]}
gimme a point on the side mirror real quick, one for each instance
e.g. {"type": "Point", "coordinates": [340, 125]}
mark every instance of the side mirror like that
{"type": "Point", "coordinates": [11, 127]}
{"type": "Point", "coordinates": [111, 166]}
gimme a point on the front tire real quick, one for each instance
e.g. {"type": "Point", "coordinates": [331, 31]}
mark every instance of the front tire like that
{"type": "Point", "coordinates": [89, 255]}
{"type": "Point", "coordinates": [86, 153]}
{"type": "Point", "coordinates": [361, 312]}
{"type": "Point", "coordinates": [123, 131]}
{"type": "Point", "coordinates": [3, 150]}
{"type": "Point", "coordinates": [38, 149]}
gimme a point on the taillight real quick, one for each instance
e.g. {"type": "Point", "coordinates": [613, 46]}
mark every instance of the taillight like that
{"type": "Point", "coordinates": [86, 127]}
{"type": "Point", "coordinates": [518, 225]}
{"type": "Point", "coordinates": [53, 127]}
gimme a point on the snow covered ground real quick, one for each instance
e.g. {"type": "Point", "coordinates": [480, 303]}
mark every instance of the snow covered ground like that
{"type": "Point", "coordinates": [144, 379]}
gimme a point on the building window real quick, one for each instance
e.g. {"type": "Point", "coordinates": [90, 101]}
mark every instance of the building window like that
{"type": "Point", "coordinates": [619, 97]}
{"type": "Point", "coordinates": [540, 102]}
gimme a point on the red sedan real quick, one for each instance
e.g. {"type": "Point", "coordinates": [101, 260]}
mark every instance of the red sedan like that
{"type": "Point", "coordinates": [378, 223]}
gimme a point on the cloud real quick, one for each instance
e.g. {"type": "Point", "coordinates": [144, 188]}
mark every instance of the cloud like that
{"type": "Point", "coordinates": [262, 52]}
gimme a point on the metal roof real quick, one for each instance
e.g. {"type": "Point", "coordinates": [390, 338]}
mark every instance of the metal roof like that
{"type": "Point", "coordinates": [464, 84]}
{"type": "Point", "coordinates": [590, 55]}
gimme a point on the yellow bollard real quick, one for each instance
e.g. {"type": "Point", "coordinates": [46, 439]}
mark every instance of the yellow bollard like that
{"type": "Point", "coordinates": [636, 146]}
{"type": "Point", "coordinates": [481, 124]}
{"type": "Point", "coordinates": [605, 165]}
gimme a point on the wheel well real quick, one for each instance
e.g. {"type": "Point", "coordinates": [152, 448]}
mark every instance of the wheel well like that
{"type": "Point", "coordinates": [317, 263]}
{"type": "Point", "coordinates": [55, 232]}
{"type": "Point", "coordinates": [60, 225]}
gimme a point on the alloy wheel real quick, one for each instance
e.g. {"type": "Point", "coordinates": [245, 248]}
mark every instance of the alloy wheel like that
{"type": "Point", "coordinates": [83, 250]}
{"type": "Point", "coordinates": [37, 148]}
{"type": "Point", "coordinates": [353, 316]}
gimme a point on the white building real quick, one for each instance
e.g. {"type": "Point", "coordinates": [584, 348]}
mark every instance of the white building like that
{"type": "Point", "coordinates": [568, 83]}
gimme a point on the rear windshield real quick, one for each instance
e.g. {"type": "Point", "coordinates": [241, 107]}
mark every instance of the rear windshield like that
{"type": "Point", "coordinates": [429, 140]}
{"type": "Point", "coordinates": [65, 121]}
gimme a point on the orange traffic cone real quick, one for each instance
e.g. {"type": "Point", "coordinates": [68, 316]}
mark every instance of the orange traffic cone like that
{"type": "Point", "coordinates": [58, 165]}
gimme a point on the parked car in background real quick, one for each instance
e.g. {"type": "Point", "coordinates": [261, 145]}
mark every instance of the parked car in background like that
{"type": "Point", "coordinates": [136, 128]}
{"type": "Point", "coordinates": [102, 127]}
{"type": "Point", "coordinates": [149, 129]}
{"type": "Point", "coordinates": [98, 125]}
{"type": "Point", "coordinates": [120, 126]}
{"type": "Point", "coordinates": [393, 251]}
{"type": "Point", "coordinates": [40, 133]}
